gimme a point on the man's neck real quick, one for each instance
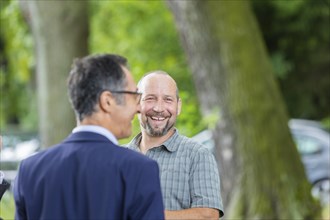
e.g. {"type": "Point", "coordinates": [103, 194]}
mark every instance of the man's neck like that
{"type": "Point", "coordinates": [148, 142]}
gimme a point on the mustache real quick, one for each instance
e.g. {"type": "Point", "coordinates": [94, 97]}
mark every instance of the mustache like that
{"type": "Point", "coordinates": [158, 114]}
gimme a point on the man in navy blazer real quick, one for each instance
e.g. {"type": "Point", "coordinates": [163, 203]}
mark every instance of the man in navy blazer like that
{"type": "Point", "coordinates": [88, 176]}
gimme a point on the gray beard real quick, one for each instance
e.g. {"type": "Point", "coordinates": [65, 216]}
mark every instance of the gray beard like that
{"type": "Point", "coordinates": [158, 133]}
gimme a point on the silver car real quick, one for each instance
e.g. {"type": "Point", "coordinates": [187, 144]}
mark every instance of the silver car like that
{"type": "Point", "coordinates": [313, 143]}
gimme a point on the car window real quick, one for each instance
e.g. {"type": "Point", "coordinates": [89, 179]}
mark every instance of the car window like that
{"type": "Point", "coordinates": [10, 141]}
{"type": "Point", "coordinates": [308, 145]}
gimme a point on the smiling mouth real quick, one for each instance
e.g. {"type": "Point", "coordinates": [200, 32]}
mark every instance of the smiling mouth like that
{"type": "Point", "coordinates": [157, 118]}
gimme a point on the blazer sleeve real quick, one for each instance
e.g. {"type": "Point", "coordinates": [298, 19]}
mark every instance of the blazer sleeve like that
{"type": "Point", "coordinates": [20, 212]}
{"type": "Point", "coordinates": [147, 201]}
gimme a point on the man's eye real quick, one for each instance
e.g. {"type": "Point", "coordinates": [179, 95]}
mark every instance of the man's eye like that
{"type": "Point", "coordinates": [149, 99]}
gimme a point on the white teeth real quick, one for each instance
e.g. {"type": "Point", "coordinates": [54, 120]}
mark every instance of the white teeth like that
{"type": "Point", "coordinates": [157, 119]}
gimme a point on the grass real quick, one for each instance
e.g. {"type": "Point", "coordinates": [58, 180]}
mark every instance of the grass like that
{"type": "Point", "coordinates": [326, 212]}
{"type": "Point", "coordinates": [7, 206]}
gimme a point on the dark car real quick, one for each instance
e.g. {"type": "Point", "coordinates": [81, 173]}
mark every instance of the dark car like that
{"type": "Point", "coordinates": [313, 143]}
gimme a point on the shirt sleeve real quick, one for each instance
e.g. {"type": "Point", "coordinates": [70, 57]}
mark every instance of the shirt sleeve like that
{"type": "Point", "coordinates": [205, 181]}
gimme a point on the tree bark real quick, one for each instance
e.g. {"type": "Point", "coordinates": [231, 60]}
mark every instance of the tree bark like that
{"type": "Point", "coordinates": [60, 30]}
{"type": "Point", "coordinates": [261, 172]}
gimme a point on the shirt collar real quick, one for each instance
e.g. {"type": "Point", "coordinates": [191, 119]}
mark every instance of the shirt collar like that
{"type": "Point", "coordinates": [170, 144]}
{"type": "Point", "coordinates": [96, 129]}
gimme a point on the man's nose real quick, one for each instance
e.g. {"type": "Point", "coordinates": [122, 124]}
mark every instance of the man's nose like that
{"type": "Point", "coordinates": [159, 106]}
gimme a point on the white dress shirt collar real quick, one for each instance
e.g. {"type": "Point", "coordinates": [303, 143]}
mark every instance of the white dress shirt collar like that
{"type": "Point", "coordinates": [96, 129]}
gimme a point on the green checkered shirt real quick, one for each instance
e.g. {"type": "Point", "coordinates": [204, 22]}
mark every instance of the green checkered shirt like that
{"type": "Point", "coordinates": [188, 173]}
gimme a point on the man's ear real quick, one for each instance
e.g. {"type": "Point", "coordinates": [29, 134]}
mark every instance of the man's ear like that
{"type": "Point", "coordinates": [105, 101]}
{"type": "Point", "coordinates": [179, 106]}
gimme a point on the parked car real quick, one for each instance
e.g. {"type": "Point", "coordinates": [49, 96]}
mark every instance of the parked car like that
{"type": "Point", "coordinates": [313, 144]}
{"type": "Point", "coordinates": [16, 147]}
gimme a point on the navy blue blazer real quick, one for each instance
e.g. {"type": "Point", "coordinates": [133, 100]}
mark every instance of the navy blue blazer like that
{"type": "Point", "coordinates": [88, 177]}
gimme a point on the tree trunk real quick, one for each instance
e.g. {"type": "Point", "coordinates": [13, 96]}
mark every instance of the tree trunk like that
{"type": "Point", "coordinates": [261, 172]}
{"type": "Point", "coordinates": [60, 29]}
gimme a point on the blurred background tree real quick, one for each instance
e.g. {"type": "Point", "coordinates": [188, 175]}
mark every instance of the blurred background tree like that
{"type": "Point", "coordinates": [254, 148]}
{"type": "Point", "coordinates": [60, 30]}
{"type": "Point", "coordinates": [145, 48]}
{"type": "Point", "coordinates": [17, 78]}
{"type": "Point", "coordinates": [296, 34]}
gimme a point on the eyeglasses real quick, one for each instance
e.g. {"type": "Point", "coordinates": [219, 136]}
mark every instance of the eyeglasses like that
{"type": "Point", "coordinates": [138, 94]}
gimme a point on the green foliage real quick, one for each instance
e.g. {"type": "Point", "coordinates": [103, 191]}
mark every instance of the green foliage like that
{"type": "Point", "coordinates": [7, 206]}
{"type": "Point", "coordinates": [144, 32]}
{"type": "Point", "coordinates": [298, 39]}
{"type": "Point", "coordinates": [296, 34]}
{"type": "Point", "coordinates": [326, 212]}
{"type": "Point", "coordinates": [212, 119]}
{"type": "Point", "coordinates": [16, 60]}
{"type": "Point", "coordinates": [326, 123]}
{"type": "Point", "coordinates": [282, 67]}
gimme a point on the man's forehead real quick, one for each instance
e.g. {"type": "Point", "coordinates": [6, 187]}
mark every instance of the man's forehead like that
{"type": "Point", "coordinates": [157, 80]}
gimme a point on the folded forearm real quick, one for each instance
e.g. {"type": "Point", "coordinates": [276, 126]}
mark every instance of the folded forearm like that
{"type": "Point", "coordinates": [192, 213]}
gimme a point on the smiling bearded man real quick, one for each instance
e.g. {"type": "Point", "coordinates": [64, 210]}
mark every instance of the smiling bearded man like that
{"type": "Point", "coordinates": [161, 109]}
{"type": "Point", "coordinates": [188, 171]}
